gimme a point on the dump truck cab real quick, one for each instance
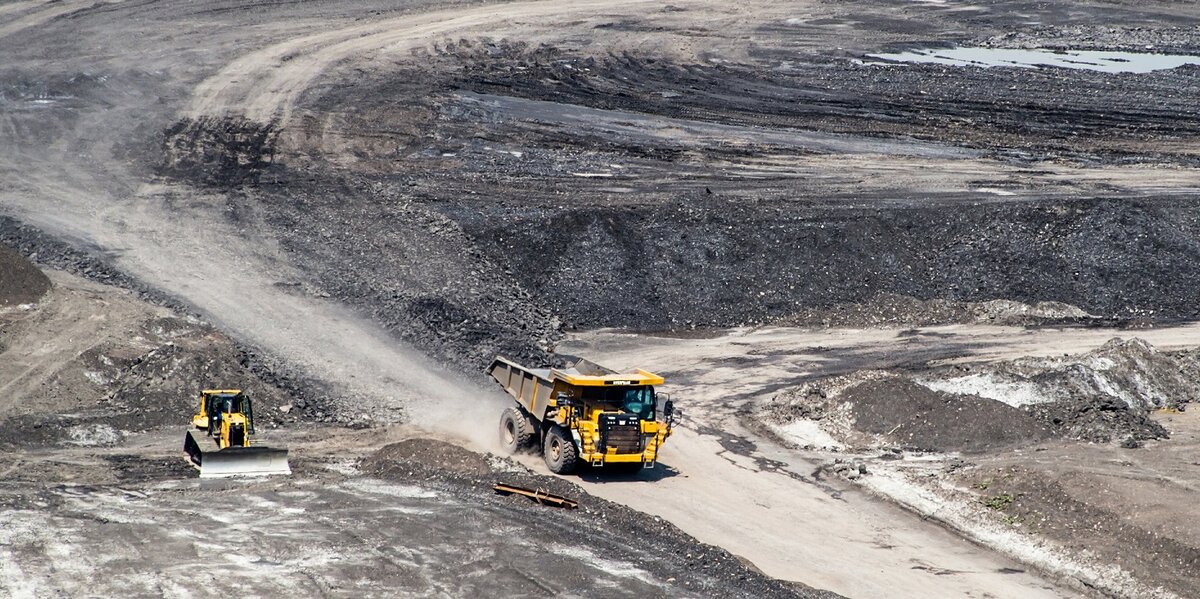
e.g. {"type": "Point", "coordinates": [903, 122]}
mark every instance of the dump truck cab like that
{"type": "Point", "coordinates": [584, 413]}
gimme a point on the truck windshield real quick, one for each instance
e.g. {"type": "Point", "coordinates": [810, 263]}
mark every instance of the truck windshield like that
{"type": "Point", "coordinates": [638, 400]}
{"type": "Point", "coordinates": [631, 400]}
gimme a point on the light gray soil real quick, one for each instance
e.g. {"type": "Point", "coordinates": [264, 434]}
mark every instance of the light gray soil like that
{"type": "Point", "coordinates": [373, 199]}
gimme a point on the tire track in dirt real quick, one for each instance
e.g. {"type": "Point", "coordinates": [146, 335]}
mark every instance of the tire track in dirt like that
{"type": "Point", "coordinates": [15, 7]}
{"type": "Point", "coordinates": [264, 85]}
{"type": "Point", "coordinates": [53, 10]}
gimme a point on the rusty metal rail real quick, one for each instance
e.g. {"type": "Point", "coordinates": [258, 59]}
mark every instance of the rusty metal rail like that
{"type": "Point", "coordinates": [537, 495]}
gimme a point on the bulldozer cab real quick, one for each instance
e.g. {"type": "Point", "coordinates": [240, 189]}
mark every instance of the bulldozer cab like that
{"type": "Point", "coordinates": [219, 405]}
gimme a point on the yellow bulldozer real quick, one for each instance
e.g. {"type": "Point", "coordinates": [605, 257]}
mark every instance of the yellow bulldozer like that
{"type": "Point", "coordinates": [584, 413]}
{"type": "Point", "coordinates": [226, 420]}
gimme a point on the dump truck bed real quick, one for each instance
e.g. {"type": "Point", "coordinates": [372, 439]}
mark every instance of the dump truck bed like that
{"type": "Point", "coordinates": [533, 387]}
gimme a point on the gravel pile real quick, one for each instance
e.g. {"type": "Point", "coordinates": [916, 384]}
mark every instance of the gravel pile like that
{"type": "Point", "coordinates": [709, 262]}
{"type": "Point", "coordinates": [1111, 37]}
{"type": "Point", "coordinates": [20, 281]}
{"type": "Point", "coordinates": [1101, 396]}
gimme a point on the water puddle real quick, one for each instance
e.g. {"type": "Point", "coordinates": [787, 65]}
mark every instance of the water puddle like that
{"type": "Point", "coordinates": [1091, 60]}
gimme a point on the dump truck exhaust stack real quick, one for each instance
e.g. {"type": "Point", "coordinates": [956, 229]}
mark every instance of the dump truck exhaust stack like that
{"type": "Point", "coordinates": [221, 445]}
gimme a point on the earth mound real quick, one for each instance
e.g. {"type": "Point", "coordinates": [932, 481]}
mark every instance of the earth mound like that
{"type": "Point", "coordinates": [89, 382]}
{"type": "Point", "coordinates": [919, 418]}
{"type": "Point", "coordinates": [424, 454]}
{"type": "Point", "coordinates": [1104, 395]}
{"type": "Point", "coordinates": [20, 281]}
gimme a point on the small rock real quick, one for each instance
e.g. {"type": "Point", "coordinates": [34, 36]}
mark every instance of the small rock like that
{"type": "Point", "coordinates": [1131, 442]}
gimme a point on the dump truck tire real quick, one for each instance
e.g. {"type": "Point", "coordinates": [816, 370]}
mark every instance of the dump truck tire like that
{"type": "Point", "coordinates": [559, 451]}
{"type": "Point", "coordinates": [516, 432]}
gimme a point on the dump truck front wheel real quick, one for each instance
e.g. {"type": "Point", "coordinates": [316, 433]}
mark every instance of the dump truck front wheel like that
{"type": "Point", "coordinates": [516, 433]}
{"type": "Point", "coordinates": [559, 450]}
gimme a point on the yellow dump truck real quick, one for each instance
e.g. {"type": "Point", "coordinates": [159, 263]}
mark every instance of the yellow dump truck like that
{"type": "Point", "coordinates": [584, 413]}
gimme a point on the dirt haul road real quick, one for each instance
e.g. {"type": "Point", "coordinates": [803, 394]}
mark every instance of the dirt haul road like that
{"type": "Point", "coordinates": [723, 379]}
{"type": "Point", "coordinates": [792, 527]}
{"type": "Point", "coordinates": [266, 164]}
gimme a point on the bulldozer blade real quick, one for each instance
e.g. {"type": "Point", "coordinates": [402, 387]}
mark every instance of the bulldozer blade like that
{"type": "Point", "coordinates": [244, 461]}
{"type": "Point", "coordinates": [191, 446]}
{"type": "Point", "coordinates": [237, 461]}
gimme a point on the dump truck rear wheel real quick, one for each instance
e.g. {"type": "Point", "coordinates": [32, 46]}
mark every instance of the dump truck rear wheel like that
{"type": "Point", "coordinates": [559, 451]}
{"type": "Point", "coordinates": [516, 434]}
